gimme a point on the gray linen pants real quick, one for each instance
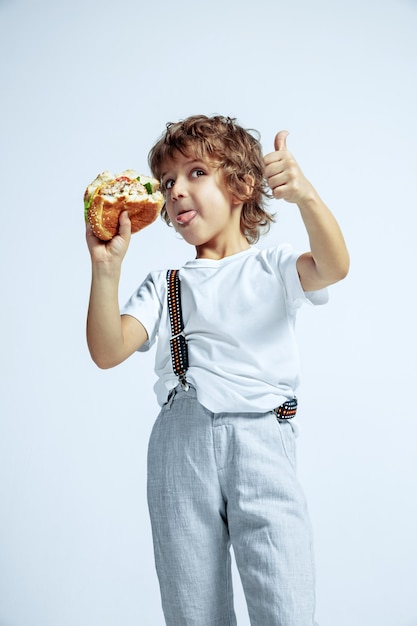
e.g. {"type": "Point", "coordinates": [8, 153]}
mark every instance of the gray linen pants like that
{"type": "Point", "coordinates": [216, 480]}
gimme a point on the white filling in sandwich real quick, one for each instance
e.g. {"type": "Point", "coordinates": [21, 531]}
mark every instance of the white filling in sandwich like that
{"type": "Point", "coordinates": [128, 183]}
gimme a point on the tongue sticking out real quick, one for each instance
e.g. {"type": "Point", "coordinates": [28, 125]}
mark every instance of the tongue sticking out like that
{"type": "Point", "coordinates": [185, 218]}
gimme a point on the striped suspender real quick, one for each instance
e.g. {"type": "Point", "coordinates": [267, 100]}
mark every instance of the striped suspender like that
{"type": "Point", "coordinates": [178, 342]}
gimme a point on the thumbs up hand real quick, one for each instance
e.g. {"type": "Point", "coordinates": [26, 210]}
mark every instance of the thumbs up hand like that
{"type": "Point", "coordinates": [283, 173]}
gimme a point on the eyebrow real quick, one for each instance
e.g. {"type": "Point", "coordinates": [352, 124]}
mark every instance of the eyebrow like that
{"type": "Point", "coordinates": [189, 162]}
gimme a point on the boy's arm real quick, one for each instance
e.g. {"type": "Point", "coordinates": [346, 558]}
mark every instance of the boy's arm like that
{"type": "Point", "coordinates": [111, 338]}
{"type": "Point", "coordinates": [328, 260]}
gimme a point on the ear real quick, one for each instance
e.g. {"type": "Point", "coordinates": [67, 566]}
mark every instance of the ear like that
{"type": "Point", "coordinates": [250, 184]}
{"type": "Point", "coordinates": [247, 190]}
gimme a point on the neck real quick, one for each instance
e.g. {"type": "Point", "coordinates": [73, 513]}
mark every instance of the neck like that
{"type": "Point", "coordinates": [220, 251]}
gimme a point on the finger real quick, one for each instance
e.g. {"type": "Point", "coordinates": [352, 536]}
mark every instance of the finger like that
{"type": "Point", "coordinates": [89, 231]}
{"type": "Point", "coordinates": [124, 224]}
{"type": "Point", "coordinates": [278, 183]}
{"type": "Point", "coordinates": [280, 142]}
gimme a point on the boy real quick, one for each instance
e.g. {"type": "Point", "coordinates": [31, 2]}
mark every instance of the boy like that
{"type": "Point", "coordinates": [221, 460]}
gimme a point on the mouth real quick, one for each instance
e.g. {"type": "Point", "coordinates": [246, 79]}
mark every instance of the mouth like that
{"type": "Point", "coordinates": [185, 217]}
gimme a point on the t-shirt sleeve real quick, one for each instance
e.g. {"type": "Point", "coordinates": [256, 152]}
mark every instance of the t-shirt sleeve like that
{"type": "Point", "coordinates": [145, 305]}
{"type": "Point", "coordinates": [296, 296]}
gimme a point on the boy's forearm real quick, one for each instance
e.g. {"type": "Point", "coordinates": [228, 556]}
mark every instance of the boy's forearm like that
{"type": "Point", "coordinates": [104, 329]}
{"type": "Point", "coordinates": [327, 244]}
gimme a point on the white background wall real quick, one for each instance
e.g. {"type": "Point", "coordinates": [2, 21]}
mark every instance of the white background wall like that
{"type": "Point", "coordinates": [88, 85]}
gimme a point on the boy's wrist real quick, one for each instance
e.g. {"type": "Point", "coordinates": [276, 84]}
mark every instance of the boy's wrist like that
{"type": "Point", "coordinates": [104, 269]}
{"type": "Point", "coordinates": [310, 200]}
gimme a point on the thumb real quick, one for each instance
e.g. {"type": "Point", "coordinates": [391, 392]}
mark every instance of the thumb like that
{"type": "Point", "coordinates": [280, 142]}
{"type": "Point", "coordinates": [124, 224]}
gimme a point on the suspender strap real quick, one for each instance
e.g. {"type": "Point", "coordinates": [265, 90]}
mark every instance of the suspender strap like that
{"type": "Point", "coordinates": [178, 342]}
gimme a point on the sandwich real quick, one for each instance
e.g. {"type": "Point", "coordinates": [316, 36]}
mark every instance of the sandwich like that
{"type": "Point", "coordinates": [110, 194]}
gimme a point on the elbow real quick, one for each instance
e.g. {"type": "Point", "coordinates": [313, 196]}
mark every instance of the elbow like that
{"type": "Point", "coordinates": [334, 273]}
{"type": "Point", "coordinates": [103, 365]}
{"type": "Point", "coordinates": [344, 267]}
{"type": "Point", "coordinates": [341, 270]}
{"type": "Point", "coordinates": [102, 361]}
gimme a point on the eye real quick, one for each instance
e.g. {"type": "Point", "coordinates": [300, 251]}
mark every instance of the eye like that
{"type": "Point", "coordinates": [168, 184]}
{"type": "Point", "coordinates": [197, 172]}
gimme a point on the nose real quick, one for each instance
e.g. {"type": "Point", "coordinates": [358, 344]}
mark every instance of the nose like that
{"type": "Point", "coordinates": [179, 189]}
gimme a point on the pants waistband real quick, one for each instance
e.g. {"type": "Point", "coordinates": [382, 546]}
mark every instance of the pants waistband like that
{"type": "Point", "coordinates": [285, 411]}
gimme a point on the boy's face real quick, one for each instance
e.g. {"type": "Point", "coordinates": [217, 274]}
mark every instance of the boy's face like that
{"type": "Point", "coordinates": [200, 207]}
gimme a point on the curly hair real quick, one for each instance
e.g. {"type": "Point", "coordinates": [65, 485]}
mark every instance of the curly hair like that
{"type": "Point", "coordinates": [224, 144]}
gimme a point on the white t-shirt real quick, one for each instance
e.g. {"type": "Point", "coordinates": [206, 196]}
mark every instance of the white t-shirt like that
{"type": "Point", "coordinates": [239, 315]}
